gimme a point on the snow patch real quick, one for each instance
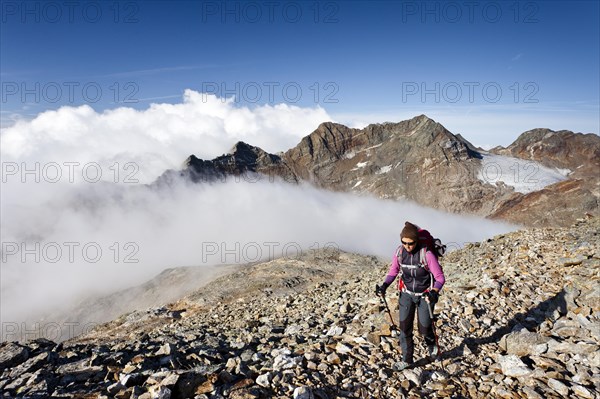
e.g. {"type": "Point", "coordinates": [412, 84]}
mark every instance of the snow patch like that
{"type": "Point", "coordinates": [525, 176]}
{"type": "Point", "coordinates": [375, 146]}
{"type": "Point", "coordinates": [449, 144]}
{"type": "Point", "coordinates": [352, 154]}
{"type": "Point", "coordinates": [360, 165]}
{"type": "Point", "coordinates": [383, 170]}
{"type": "Point", "coordinates": [549, 134]}
{"type": "Point", "coordinates": [564, 172]}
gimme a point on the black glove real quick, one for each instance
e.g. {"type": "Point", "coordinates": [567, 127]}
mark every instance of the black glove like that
{"type": "Point", "coordinates": [380, 289]}
{"type": "Point", "coordinates": [433, 296]}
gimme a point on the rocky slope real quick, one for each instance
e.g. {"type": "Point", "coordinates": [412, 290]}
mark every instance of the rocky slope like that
{"type": "Point", "coordinates": [420, 160]}
{"type": "Point", "coordinates": [519, 317]}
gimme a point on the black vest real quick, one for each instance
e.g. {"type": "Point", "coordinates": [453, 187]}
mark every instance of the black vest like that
{"type": "Point", "coordinates": [416, 278]}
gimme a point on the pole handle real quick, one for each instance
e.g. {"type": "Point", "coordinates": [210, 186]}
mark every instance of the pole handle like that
{"type": "Point", "coordinates": [429, 307]}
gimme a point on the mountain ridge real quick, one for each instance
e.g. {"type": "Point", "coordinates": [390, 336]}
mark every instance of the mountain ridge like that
{"type": "Point", "coordinates": [420, 160]}
{"type": "Point", "coordinates": [559, 149]}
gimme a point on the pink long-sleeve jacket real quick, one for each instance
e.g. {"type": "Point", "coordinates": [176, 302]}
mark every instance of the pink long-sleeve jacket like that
{"type": "Point", "coordinates": [432, 264]}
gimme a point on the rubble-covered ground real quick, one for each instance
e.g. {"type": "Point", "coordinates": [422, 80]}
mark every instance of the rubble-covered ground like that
{"type": "Point", "coordinates": [519, 317]}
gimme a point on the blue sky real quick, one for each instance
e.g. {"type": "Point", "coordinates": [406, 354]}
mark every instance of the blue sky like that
{"type": "Point", "coordinates": [486, 69]}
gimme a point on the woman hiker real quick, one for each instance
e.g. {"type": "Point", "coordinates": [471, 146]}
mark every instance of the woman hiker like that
{"type": "Point", "coordinates": [419, 285]}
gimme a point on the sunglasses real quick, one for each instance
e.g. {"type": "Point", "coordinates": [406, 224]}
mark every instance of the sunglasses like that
{"type": "Point", "coordinates": [408, 243]}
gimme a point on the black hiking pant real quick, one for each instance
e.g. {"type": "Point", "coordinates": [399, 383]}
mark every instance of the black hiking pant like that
{"type": "Point", "coordinates": [408, 304]}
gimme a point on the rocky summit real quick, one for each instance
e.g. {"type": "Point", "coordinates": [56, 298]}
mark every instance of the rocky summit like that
{"type": "Point", "coordinates": [421, 161]}
{"type": "Point", "coordinates": [519, 317]}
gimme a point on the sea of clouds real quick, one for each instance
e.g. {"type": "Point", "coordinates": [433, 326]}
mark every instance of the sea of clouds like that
{"type": "Point", "coordinates": [80, 217]}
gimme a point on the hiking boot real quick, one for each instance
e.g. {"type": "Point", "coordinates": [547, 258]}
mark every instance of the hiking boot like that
{"type": "Point", "coordinates": [434, 352]}
{"type": "Point", "coordinates": [401, 365]}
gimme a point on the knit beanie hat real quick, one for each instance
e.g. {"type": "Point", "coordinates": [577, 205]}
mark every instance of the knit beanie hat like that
{"type": "Point", "coordinates": [410, 231]}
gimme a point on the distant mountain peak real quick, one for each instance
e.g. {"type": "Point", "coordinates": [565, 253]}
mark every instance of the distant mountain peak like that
{"type": "Point", "coordinates": [558, 149]}
{"type": "Point", "coordinates": [242, 147]}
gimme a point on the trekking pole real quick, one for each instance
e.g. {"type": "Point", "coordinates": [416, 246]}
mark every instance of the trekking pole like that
{"type": "Point", "coordinates": [433, 326]}
{"type": "Point", "coordinates": [387, 308]}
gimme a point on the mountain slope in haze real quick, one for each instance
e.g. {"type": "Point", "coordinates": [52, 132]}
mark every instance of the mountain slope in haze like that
{"type": "Point", "coordinates": [519, 315]}
{"type": "Point", "coordinates": [421, 161]}
{"type": "Point", "coordinates": [168, 286]}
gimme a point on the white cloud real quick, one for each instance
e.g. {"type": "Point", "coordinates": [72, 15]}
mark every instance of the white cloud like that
{"type": "Point", "coordinates": [159, 137]}
{"type": "Point", "coordinates": [204, 224]}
